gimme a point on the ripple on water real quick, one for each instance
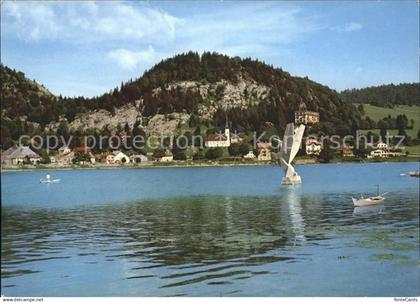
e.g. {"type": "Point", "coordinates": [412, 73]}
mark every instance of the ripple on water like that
{"type": "Point", "coordinates": [166, 246]}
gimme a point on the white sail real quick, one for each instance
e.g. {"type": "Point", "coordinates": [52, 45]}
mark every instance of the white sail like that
{"type": "Point", "coordinates": [289, 148]}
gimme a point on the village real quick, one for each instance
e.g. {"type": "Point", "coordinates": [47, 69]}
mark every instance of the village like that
{"type": "Point", "coordinates": [225, 143]}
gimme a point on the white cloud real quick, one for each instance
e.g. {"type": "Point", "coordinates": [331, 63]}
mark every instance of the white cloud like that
{"type": "Point", "coordinates": [30, 22]}
{"type": "Point", "coordinates": [247, 29]}
{"type": "Point", "coordinates": [352, 26]}
{"type": "Point", "coordinates": [81, 22]}
{"type": "Point", "coordinates": [348, 27]}
{"type": "Point", "coordinates": [131, 59]}
{"type": "Point", "coordinates": [137, 35]}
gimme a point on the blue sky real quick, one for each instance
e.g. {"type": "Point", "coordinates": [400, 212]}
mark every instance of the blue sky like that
{"type": "Point", "coordinates": [88, 48]}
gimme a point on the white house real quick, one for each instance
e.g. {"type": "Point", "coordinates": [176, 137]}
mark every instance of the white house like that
{"type": "Point", "coordinates": [64, 150]}
{"type": "Point", "coordinates": [382, 146]}
{"type": "Point", "coordinates": [378, 153]}
{"type": "Point", "coordinates": [120, 158]}
{"type": "Point", "coordinates": [384, 153]}
{"type": "Point", "coordinates": [138, 158]}
{"type": "Point", "coordinates": [249, 155]}
{"type": "Point", "coordinates": [235, 138]}
{"type": "Point", "coordinates": [168, 156]}
{"type": "Point", "coordinates": [312, 147]}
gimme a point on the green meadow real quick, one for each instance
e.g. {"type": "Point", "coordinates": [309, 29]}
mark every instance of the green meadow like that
{"type": "Point", "coordinates": [412, 112]}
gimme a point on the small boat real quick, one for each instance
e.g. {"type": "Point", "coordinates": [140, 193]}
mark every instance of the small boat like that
{"type": "Point", "coordinates": [415, 173]}
{"type": "Point", "coordinates": [369, 201]}
{"type": "Point", "coordinates": [48, 179]}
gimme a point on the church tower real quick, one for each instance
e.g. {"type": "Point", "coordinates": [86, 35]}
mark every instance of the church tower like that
{"type": "Point", "coordinates": [227, 131]}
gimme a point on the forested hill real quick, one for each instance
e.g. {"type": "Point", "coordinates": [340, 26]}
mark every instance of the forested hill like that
{"type": "Point", "coordinates": [385, 95]}
{"type": "Point", "coordinates": [204, 88]}
{"type": "Point", "coordinates": [249, 90]}
{"type": "Point", "coordinates": [22, 96]}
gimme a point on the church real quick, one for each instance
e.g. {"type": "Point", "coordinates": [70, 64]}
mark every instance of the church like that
{"type": "Point", "coordinates": [219, 139]}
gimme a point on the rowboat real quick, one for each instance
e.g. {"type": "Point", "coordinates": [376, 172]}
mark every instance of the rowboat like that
{"type": "Point", "coordinates": [48, 179]}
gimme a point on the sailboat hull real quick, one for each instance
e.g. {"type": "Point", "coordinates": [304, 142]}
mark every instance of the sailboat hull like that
{"type": "Point", "coordinates": [368, 201]}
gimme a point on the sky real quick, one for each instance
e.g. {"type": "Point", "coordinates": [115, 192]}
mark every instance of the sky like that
{"type": "Point", "coordinates": [88, 48]}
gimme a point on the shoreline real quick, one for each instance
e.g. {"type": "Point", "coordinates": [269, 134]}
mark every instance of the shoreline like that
{"type": "Point", "coordinates": [191, 164]}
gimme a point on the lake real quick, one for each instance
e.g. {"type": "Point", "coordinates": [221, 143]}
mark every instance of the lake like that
{"type": "Point", "coordinates": [222, 231]}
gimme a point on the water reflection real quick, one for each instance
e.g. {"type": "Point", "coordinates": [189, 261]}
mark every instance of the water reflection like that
{"type": "Point", "coordinates": [368, 210]}
{"type": "Point", "coordinates": [214, 240]}
{"type": "Point", "coordinates": [292, 198]}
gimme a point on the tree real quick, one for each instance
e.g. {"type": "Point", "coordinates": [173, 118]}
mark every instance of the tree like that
{"type": "Point", "coordinates": [354, 128]}
{"type": "Point", "coordinates": [81, 157]}
{"type": "Point", "coordinates": [402, 123]}
{"type": "Point", "coordinates": [361, 109]}
{"type": "Point", "coordinates": [199, 155]}
{"type": "Point", "coordinates": [63, 129]}
{"type": "Point", "coordinates": [5, 138]}
{"type": "Point", "coordinates": [383, 130]}
{"type": "Point", "coordinates": [327, 154]}
{"type": "Point", "coordinates": [234, 149]}
{"type": "Point", "coordinates": [159, 153]}
{"type": "Point", "coordinates": [45, 158]}
{"type": "Point", "coordinates": [361, 152]}
{"type": "Point", "coordinates": [214, 153]}
{"type": "Point", "coordinates": [197, 142]}
{"type": "Point", "coordinates": [244, 148]}
{"type": "Point", "coordinates": [136, 141]}
{"type": "Point", "coordinates": [180, 155]}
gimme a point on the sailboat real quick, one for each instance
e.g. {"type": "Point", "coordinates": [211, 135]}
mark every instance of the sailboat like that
{"type": "Point", "coordinates": [373, 200]}
{"type": "Point", "coordinates": [48, 179]}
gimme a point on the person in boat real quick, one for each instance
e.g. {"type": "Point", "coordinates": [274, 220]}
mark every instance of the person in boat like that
{"type": "Point", "coordinates": [48, 176]}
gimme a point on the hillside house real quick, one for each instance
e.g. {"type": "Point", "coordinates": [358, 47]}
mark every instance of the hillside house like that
{"type": "Point", "coordinates": [346, 152]}
{"type": "Point", "coordinates": [381, 153]}
{"type": "Point", "coordinates": [235, 138]}
{"type": "Point", "coordinates": [138, 158]}
{"type": "Point", "coordinates": [378, 153]}
{"type": "Point", "coordinates": [17, 155]}
{"type": "Point", "coordinates": [312, 147]}
{"type": "Point", "coordinates": [382, 146]}
{"type": "Point", "coordinates": [167, 157]}
{"type": "Point", "coordinates": [120, 158]}
{"type": "Point", "coordinates": [306, 117]}
{"type": "Point", "coordinates": [264, 151]}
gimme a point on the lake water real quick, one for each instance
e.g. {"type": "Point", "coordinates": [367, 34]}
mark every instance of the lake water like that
{"type": "Point", "coordinates": [223, 231]}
